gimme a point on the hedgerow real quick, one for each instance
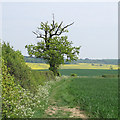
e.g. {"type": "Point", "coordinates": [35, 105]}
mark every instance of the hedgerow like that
{"type": "Point", "coordinates": [22, 91]}
{"type": "Point", "coordinates": [23, 75]}
{"type": "Point", "coordinates": [18, 102]}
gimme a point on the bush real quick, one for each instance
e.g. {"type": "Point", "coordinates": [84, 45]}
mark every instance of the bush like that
{"type": "Point", "coordinates": [74, 75]}
{"type": "Point", "coordinates": [22, 91]}
{"type": "Point", "coordinates": [23, 75]}
{"type": "Point", "coordinates": [40, 77]}
{"type": "Point", "coordinates": [18, 102]}
{"type": "Point", "coordinates": [109, 75]}
{"type": "Point", "coordinates": [14, 61]}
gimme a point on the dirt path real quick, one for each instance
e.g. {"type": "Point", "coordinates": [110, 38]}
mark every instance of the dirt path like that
{"type": "Point", "coordinates": [56, 111]}
{"type": "Point", "coordinates": [71, 112]}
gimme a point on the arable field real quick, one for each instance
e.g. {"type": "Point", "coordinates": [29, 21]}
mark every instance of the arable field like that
{"type": "Point", "coordinates": [41, 66]}
{"type": "Point", "coordinates": [83, 98]}
{"type": "Point", "coordinates": [93, 93]}
{"type": "Point", "coordinates": [98, 97]}
{"type": "Point", "coordinates": [88, 72]}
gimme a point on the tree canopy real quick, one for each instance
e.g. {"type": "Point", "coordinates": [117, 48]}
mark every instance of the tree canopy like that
{"type": "Point", "coordinates": [53, 46]}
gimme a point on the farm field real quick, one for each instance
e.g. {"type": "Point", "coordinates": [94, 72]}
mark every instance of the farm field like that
{"type": "Point", "coordinates": [86, 72]}
{"type": "Point", "coordinates": [98, 97]}
{"type": "Point", "coordinates": [92, 97]}
{"type": "Point", "coordinates": [89, 95]}
{"type": "Point", "coordinates": [41, 66]}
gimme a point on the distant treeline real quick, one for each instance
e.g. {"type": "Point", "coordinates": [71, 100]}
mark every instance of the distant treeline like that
{"type": "Point", "coordinates": [98, 61]}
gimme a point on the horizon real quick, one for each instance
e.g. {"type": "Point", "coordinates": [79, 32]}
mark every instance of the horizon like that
{"type": "Point", "coordinates": [83, 58]}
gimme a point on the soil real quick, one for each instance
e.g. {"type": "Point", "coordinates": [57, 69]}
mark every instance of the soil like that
{"type": "Point", "coordinates": [74, 112]}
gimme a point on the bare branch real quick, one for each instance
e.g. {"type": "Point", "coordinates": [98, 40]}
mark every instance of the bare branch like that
{"type": "Point", "coordinates": [67, 26]}
{"type": "Point", "coordinates": [62, 30]}
{"type": "Point", "coordinates": [58, 27]}
{"type": "Point", "coordinates": [35, 33]}
{"type": "Point", "coordinates": [53, 20]}
{"type": "Point", "coordinates": [52, 28]}
{"type": "Point", "coordinates": [38, 35]}
{"type": "Point", "coordinates": [53, 24]}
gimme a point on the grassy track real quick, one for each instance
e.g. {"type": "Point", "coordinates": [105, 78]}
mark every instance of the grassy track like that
{"type": "Point", "coordinates": [97, 97]}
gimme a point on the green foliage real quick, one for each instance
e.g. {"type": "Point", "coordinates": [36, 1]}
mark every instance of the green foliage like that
{"type": "Point", "coordinates": [40, 77]}
{"type": "Point", "coordinates": [110, 75]}
{"type": "Point", "coordinates": [0, 78]}
{"type": "Point", "coordinates": [18, 102]}
{"type": "Point", "coordinates": [33, 60]}
{"type": "Point", "coordinates": [22, 90]}
{"type": "Point", "coordinates": [23, 75]}
{"type": "Point", "coordinates": [73, 75]}
{"type": "Point", "coordinates": [14, 60]}
{"type": "Point", "coordinates": [53, 47]}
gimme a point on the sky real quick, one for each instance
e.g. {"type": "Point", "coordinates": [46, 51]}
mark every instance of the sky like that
{"type": "Point", "coordinates": [95, 26]}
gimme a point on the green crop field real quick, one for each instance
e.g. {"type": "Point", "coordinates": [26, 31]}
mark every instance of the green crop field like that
{"type": "Point", "coordinates": [92, 93]}
{"type": "Point", "coordinates": [87, 72]}
{"type": "Point", "coordinates": [98, 97]}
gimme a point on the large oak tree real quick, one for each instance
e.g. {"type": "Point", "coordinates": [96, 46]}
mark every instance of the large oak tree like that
{"type": "Point", "coordinates": [53, 47]}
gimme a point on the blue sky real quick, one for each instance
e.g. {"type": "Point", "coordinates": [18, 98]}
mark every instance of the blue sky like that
{"type": "Point", "coordinates": [95, 27]}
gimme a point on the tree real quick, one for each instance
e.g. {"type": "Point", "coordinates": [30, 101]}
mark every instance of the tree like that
{"type": "Point", "coordinates": [53, 47]}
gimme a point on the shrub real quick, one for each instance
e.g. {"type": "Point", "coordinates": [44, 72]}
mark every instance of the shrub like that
{"type": "Point", "coordinates": [109, 75]}
{"type": "Point", "coordinates": [74, 75]}
{"type": "Point", "coordinates": [18, 102]}
{"type": "Point", "coordinates": [14, 61]}
{"type": "Point", "coordinates": [21, 89]}
{"type": "Point", "coordinates": [40, 77]}
{"type": "Point", "coordinates": [23, 75]}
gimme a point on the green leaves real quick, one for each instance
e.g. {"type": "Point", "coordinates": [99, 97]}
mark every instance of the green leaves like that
{"type": "Point", "coordinates": [18, 102]}
{"type": "Point", "coordinates": [53, 47]}
{"type": "Point", "coordinates": [16, 65]}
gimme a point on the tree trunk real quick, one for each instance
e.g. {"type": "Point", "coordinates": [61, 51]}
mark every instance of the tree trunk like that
{"type": "Point", "coordinates": [54, 69]}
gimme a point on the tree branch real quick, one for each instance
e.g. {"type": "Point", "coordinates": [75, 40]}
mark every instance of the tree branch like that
{"type": "Point", "coordinates": [67, 26]}
{"type": "Point", "coordinates": [38, 35]}
{"type": "Point", "coordinates": [53, 27]}
{"type": "Point", "coordinates": [62, 30]}
{"type": "Point", "coordinates": [58, 27]}
{"type": "Point", "coordinates": [35, 33]}
{"type": "Point", "coordinates": [53, 20]}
